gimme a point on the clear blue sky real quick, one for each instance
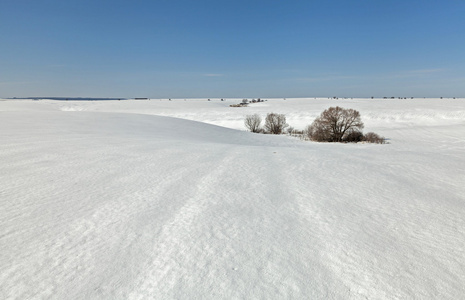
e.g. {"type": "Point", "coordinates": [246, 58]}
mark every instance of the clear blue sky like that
{"type": "Point", "coordinates": [234, 48]}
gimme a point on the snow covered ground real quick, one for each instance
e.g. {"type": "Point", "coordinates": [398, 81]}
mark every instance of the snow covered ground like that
{"type": "Point", "coordinates": [119, 200]}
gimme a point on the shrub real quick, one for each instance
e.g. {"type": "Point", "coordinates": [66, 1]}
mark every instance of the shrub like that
{"type": "Point", "coordinates": [334, 125]}
{"type": "Point", "coordinates": [275, 123]}
{"type": "Point", "coordinates": [354, 136]}
{"type": "Point", "coordinates": [290, 130]}
{"type": "Point", "coordinates": [372, 137]}
{"type": "Point", "coordinates": [253, 123]}
{"type": "Point", "coordinates": [316, 132]}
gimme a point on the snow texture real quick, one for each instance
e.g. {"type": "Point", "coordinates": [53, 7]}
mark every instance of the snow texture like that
{"type": "Point", "coordinates": [163, 199]}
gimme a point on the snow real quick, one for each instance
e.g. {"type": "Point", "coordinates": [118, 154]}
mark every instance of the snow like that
{"type": "Point", "coordinates": [158, 199]}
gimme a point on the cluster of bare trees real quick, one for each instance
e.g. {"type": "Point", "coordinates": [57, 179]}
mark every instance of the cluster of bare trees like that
{"type": "Point", "coordinates": [274, 123]}
{"type": "Point", "coordinates": [335, 124]}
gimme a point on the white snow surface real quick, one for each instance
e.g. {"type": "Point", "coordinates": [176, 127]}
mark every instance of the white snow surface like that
{"type": "Point", "coordinates": [158, 199]}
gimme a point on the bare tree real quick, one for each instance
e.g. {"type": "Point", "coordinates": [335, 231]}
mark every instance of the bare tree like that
{"type": "Point", "coordinates": [275, 123]}
{"type": "Point", "coordinates": [335, 124]}
{"type": "Point", "coordinates": [253, 123]}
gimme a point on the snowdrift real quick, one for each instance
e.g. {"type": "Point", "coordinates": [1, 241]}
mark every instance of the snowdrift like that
{"type": "Point", "coordinates": [107, 200]}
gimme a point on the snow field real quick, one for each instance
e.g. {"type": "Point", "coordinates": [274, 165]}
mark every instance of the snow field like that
{"type": "Point", "coordinates": [106, 200]}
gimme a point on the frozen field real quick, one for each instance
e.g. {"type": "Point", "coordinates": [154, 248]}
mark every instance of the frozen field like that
{"type": "Point", "coordinates": [119, 200]}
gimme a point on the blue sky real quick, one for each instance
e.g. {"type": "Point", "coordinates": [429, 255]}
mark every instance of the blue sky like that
{"type": "Point", "coordinates": [254, 48]}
